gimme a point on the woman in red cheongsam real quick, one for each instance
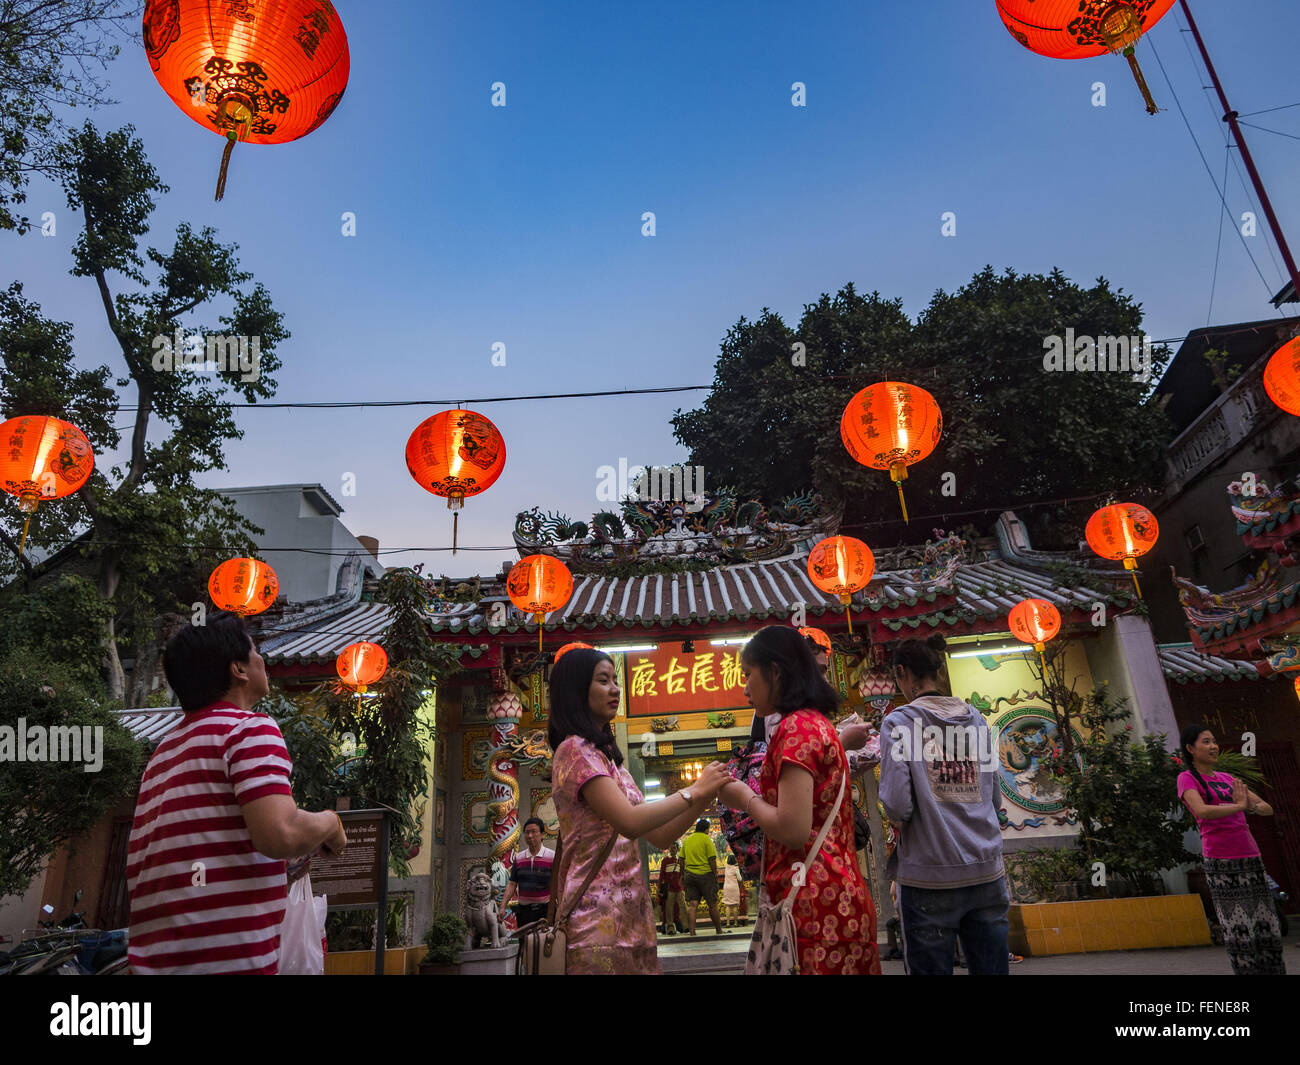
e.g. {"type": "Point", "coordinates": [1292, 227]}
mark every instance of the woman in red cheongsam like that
{"type": "Point", "coordinates": [805, 765]}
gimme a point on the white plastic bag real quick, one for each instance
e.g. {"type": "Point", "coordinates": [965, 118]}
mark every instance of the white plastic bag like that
{"type": "Point", "coordinates": [302, 931]}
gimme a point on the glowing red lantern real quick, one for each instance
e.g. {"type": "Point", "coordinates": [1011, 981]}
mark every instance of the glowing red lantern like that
{"type": "Point", "coordinates": [571, 647]}
{"type": "Point", "coordinates": [1069, 29]}
{"type": "Point", "coordinates": [361, 664]}
{"type": "Point", "coordinates": [537, 585]}
{"type": "Point", "coordinates": [1123, 531]}
{"type": "Point", "coordinates": [1297, 687]}
{"type": "Point", "coordinates": [818, 637]}
{"type": "Point", "coordinates": [1035, 621]}
{"type": "Point", "coordinates": [455, 454]}
{"type": "Point", "coordinates": [890, 426]}
{"type": "Point", "coordinates": [243, 586]}
{"type": "Point", "coordinates": [42, 458]}
{"type": "Point", "coordinates": [1282, 377]}
{"type": "Point", "coordinates": [259, 71]}
{"type": "Point", "coordinates": [841, 565]}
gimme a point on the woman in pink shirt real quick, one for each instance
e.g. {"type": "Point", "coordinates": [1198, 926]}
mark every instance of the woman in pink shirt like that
{"type": "Point", "coordinates": [1233, 867]}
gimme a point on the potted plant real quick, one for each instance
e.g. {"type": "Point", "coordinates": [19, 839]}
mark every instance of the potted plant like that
{"type": "Point", "coordinates": [445, 940]}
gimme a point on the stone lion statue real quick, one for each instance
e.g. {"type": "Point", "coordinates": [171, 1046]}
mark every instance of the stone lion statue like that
{"type": "Point", "coordinates": [481, 912]}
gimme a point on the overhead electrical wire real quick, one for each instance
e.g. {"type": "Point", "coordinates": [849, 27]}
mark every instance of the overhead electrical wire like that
{"type": "Point", "coordinates": [1205, 162]}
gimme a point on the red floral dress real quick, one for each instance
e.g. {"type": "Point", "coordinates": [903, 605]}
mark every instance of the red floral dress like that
{"type": "Point", "coordinates": [834, 919]}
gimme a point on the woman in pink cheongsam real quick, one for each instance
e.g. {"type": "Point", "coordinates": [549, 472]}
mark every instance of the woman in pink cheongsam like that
{"type": "Point", "coordinates": [612, 928]}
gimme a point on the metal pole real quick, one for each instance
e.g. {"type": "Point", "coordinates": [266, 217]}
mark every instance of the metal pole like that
{"type": "Point", "coordinates": [1230, 117]}
{"type": "Point", "coordinates": [381, 929]}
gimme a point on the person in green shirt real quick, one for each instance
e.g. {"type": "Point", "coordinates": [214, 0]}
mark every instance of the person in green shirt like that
{"type": "Point", "coordinates": [700, 859]}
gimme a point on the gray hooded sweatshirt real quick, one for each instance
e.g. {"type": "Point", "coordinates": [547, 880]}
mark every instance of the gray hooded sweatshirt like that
{"type": "Point", "coordinates": [938, 784]}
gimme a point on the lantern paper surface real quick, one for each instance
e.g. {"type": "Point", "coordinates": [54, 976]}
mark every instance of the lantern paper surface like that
{"type": "Point", "coordinates": [361, 664]}
{"type": "Point", "coordinates": [456, 453]}
{"type": "Point", "coordinates": [1122, 530]}
{"type": "Point", "coordinates": [576, 645]}
{"type": "Point", "coordinates": [1282, 377]}
{"type": "Point", "coordinates": [1077, 29]}
{"type": "Point", "coordinates": [891, 424]}
{"type": "Point", "coordinates": [1034, 621]}
{"type": "Point", "coordinates": [243, 586]}
{"type": "Point", "coordinates": [841, 565]}
{"type": "Point", "coordinates": [269, 70]}
{"type": "Point", "coordinates": [538, 584]}
{"type": "Point", "coordinates": [43, 458]}
{"type": "Point", "coordinates": [818, 637]}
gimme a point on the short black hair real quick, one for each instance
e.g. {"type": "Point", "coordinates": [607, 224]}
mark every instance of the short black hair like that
{"type": "Point", "coordinates": [921, 658]}
{"type": "Point", "coordinates": [570, 708]}
{"type": "Point", "coordinates": [702, 825]}
{"type": "Point", "coordinates": [197, 659]}
{"type": "Point", "coordinates": [786, 656]}
{"type": "Point", "coordinates": [535, 821]}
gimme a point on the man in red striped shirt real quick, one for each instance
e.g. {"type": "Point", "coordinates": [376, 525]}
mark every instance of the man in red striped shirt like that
{"type": "Point", "coordinates": [215, 818]}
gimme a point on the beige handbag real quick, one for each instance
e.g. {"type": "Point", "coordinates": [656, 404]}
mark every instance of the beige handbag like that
{"type": "Point", "coordinates": [774, 948]}
{"type": "Point", "coordinates": [544, 944]}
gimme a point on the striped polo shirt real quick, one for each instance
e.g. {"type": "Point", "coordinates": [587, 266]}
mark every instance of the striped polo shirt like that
{"type": "Point", "coordinates": [224, 915]}
{"type": "Point", "coordinates": [533, 875]}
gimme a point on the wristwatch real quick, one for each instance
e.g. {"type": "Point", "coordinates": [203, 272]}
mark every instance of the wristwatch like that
{"type": "Point", "coordinates": [685, 793]}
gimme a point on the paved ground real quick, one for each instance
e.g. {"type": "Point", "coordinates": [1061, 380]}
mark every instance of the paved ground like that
{"type": "Point", "coordinates": [725, 955]}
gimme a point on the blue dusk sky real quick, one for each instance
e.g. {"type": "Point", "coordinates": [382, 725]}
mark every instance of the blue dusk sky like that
{"type": "Point", "coordinates": [522, 225]}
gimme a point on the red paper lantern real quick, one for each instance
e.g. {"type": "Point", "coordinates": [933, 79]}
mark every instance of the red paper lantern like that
{"type": "Point", "coordinates": [455, 454]}
{"type": "Point", "coordinates": [818, 637]}
{"type": "Point", "coordinates": [1297, 687]}
{"type": "Point", "coordinates": [537, 585]}
{"type": "Point", "coordinates": [42, 458]}
{"type": "Point", "coordinates": [890, 426]}
{"type": "Point", "coordinates": [1123, 531]}
{"type": "Point", "coordinates": [1071, 29]}
{"type": "Point", "coordinates": [571, 647]}
{"type": "Point", "coordinates": [1282, 377]}
{"type": "Point", "coordinates": [259, 71]}
{"type": "Point", "coordinates": [841, 565]}
{"type": "Point", "coordinates": [361, 664]}
{"type": "Point", "coordinates": [244, 586]}
{"type": "Point", "coordinates": [1034, 621]}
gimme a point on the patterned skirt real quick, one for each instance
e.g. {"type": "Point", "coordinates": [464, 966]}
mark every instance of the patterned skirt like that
{"type": "Point", "coordinates": [1244, 906]}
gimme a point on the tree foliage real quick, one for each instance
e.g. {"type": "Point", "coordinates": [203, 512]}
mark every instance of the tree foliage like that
{"type": "Point", "coordinates": [1013, 432]}
{"type": "Point", "coordinates": [44, 804]}
{"type": "Point", "coordinates": [52, 56]}
{"type": "Point", "coordinates": [152, 535]}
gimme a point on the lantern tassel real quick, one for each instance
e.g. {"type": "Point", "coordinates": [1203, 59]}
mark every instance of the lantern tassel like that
{"type": "Point", "coordinates": [1141, 80]}
{"type": "Point", "coordinates": [231, 137]}
{"type": "Point", "coordinates": [23, 541]}
{"type": "Point", "coordinates": [849, 617]}
{"type": "Point", "coordinates": [1136, 585]}
{"type": "Point", "coordinates": [903, 503]}
{"type": "Point", "coordinates": [1042, 658]}
{"type": "Point", "coordinates": [455, 529]}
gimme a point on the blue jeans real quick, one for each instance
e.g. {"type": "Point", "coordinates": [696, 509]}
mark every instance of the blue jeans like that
{"type": "Point", "coordinates": [933, 919]}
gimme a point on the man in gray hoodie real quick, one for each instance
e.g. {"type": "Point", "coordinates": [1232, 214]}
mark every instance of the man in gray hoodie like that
{"type": "Point", "coordinates": [938, 785]}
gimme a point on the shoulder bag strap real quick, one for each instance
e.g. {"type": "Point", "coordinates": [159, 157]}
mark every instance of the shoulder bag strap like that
{"type": "Point", "coordinates": [788, 901]}
{"type": "Point", "coordinates": [600, 861]}
{"type": "Point", "coordinates": [555, 876]}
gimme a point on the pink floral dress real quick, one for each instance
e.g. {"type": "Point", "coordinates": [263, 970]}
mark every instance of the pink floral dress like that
{"type": "Point", "coordinates": [612, 929]}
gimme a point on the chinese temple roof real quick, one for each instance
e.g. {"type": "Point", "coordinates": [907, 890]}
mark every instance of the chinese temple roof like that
{"type": "Point", "coordinates": [949, 584]}
{"type": "Point", "coordinates": [1183, 664]}
{"type": "Point", "coordinates": [1259, 618]}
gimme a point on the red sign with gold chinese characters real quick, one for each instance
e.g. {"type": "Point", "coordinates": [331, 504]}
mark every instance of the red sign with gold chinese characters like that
{"type": "Point", "coordinates": [667, 681]}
